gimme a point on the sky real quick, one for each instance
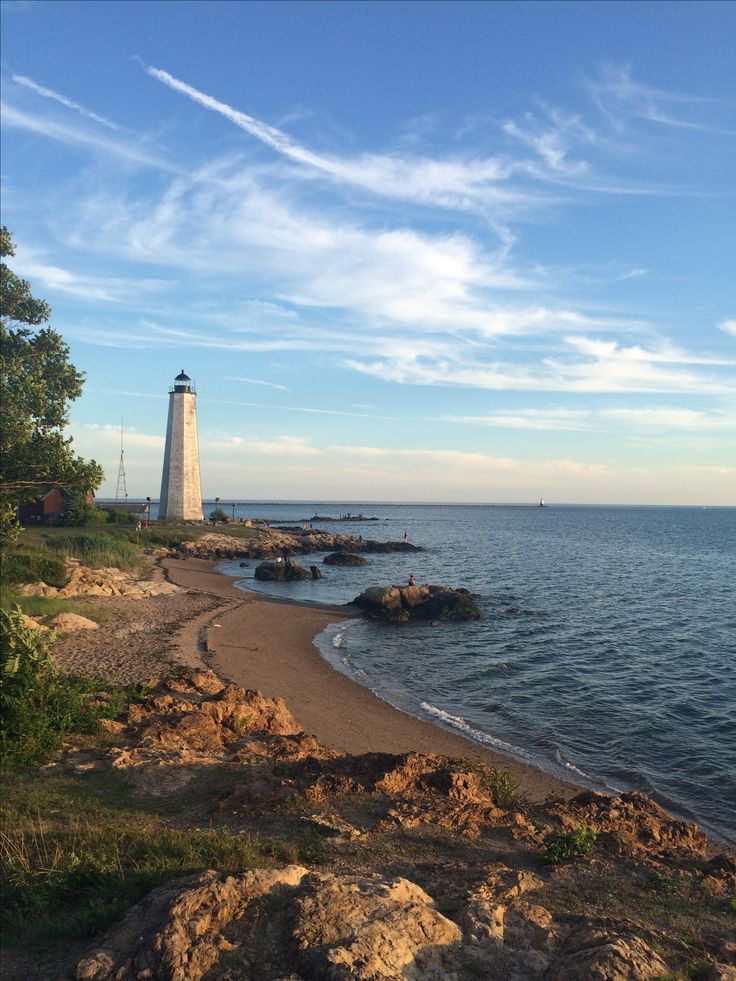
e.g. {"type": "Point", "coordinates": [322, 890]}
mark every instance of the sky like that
{"type": "Point", "coordinates": [469, 252]}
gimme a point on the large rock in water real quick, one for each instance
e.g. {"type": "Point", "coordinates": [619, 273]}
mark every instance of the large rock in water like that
{"type": "Point", "coordinates": [397, 604]}
{"type": "Point", "coordinates": [286, 571]}
{"type": "Point", "coordinates": [345, 558]}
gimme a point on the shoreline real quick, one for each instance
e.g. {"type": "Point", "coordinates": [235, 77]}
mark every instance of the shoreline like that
{"type": "Point", "coordinates": [268, 643]}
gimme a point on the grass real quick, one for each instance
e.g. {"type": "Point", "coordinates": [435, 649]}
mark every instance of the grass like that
{"type": "Point", "coordinates": [562, 846]}
{"type": "Point", "coordinates": [503, 788]}
{"type": "Point", "coordinates": [49, 606]}
{"type": "Point", "coordinates": [25, 565]}
{"type": "Point", "coordinates": [99, 551]}
{"type": "Point", "coordinates": [75, 854]}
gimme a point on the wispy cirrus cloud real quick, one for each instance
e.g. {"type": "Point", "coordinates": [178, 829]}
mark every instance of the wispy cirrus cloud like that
{"type": "Point", "coordinates": [125, 150]}
{"type": "Point", "coordinates": [620, 98]}
{"type": "Point", "coordinates": [47, 93]}
{"type": "Point", "coordinates": [256, 381]}
{"type": "Point", "coordinates": [459, 183]}
{"type": "Point", "coordinates": [586, 366]}
{"type": "Point", "coordinates": [670, 419]}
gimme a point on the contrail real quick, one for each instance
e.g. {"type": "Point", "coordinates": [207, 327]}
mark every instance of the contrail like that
{"type": "Point", "coordinates": [57, 97]}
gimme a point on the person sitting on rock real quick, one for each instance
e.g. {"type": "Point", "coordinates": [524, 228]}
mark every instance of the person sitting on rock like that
{"type": "Point", "coordinates": [412, 581]}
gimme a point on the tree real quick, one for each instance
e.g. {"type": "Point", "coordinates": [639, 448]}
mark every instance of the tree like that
{"type": "Point", "coordinates": [37, 382]}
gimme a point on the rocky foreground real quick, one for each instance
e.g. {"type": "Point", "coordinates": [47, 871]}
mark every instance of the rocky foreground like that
{"type": "Point", "coordinates": [432, 868]}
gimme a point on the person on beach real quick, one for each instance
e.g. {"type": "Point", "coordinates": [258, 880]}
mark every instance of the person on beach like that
{"type": "Point", "coordinates": [412, 581]}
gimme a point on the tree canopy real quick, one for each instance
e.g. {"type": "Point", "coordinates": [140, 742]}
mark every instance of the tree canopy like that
{"type": "Point", "coordinates": [37, 383]}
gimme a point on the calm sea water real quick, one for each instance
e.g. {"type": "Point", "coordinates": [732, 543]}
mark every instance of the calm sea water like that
{"type": "Point", "coordinates": [607, 652]}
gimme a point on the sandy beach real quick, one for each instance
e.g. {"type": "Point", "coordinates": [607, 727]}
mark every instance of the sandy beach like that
{"type": "Point", "coordinates": [268, 644]}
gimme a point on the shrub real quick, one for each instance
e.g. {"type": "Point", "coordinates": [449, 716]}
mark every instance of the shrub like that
{"type": "Point", "coordinates": [80, 513]}
{"type": "Point", "coordinates": [503, 788]}
{"type": "Point", "coordinates": [120, 517]}
{"type": "Point", "coordinates": [219, 515]}
{"type": "Point", "coordinates": [564, 846]}
{"type": "Point", "coordinates": [99, 551]}
{"type": "Point", "coordinates": [39, 704]}
{"type": "Point", "coordinates": [34, 566]}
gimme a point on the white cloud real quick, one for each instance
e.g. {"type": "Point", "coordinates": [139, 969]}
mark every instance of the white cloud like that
{"type": "Point", "coordinates": [620, 97]}
{"type": "Point", "coordinates": [663, 420]}
{"type": "Point", "coordinates": [728, 326]}
{"type": "Point", "coordinates": [463, 184]}
{"type": "Point", "coordinates": [130, 152]}
{"type": "Point", "coordinates": [256, 381]}
{"type": "Point", "coordinates": [57, 97]}
{"type": "Point", "coordinates": [585, 365]}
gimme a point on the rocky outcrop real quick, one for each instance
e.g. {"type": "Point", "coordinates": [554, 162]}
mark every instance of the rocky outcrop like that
{"type": "Point", "coordinates": [284, 571]}
{"type": "Point", "coordinates": [100, 582]}
{"type": "Point", "coordinates": [635, 822]}
{"type": "Point", "coordinates": [592, 953]}
{"type": "Point", "coordinates": [398, 604]}
{"type": "Point", "coordinates": [268, 543]}
{"type": "Point", "coordinates": [344, 558]}
{"type": "Point", "coordinates": [283, 923]}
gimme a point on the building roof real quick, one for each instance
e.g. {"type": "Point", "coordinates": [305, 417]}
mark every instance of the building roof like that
{"type": "Point", "coordinates": [182, 377]}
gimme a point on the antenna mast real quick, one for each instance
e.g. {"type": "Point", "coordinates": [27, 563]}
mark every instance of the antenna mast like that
{"type": "Point", "coordinates": [121, 491]}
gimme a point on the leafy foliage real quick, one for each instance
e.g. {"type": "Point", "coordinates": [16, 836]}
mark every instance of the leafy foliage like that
{"type": "Point", "coordinates": [39, 704]}
{"type": "Point", "coordinates": [564, 846]}
{"type": "Point", "coordinates": [219, 515]}
{"type": "Point", "coordinates": [79, 513]}
{"type": "Point", "coordinates": [37, 382]}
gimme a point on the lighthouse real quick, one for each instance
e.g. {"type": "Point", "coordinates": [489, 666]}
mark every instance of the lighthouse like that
{"type": "Point", "coordinates": [181, 490]}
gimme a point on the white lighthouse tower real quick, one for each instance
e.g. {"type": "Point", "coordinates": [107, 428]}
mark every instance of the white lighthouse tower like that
{"type": "Point", "coordinates": [181, 490]}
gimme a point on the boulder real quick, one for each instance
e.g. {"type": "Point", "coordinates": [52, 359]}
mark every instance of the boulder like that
{"type": "Point", "coordinates": [398, 604]}
{"type": "Point", "coordinates": [287, 922]}
{"type": "Point", "coordinates": [344, 558]}
{"type": "Point", "coordinates": [592, 953]}
{"type": "Point", "coordinates": [286, 571]}
{"type": "Point", "coordinates": [71, 622]}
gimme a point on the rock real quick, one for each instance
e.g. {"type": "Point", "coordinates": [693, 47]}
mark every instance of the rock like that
{"type": "Point", "coordinates": [397, 604]}
{"type": "Point", "coordinates": [344, 558]}
{"type": "Point", "coordinates": [640, 825]}
{"type": "Point", "coordinates": [70, 622]}
{"type": "Point", "coordinates": [288, 571]}
{"type": "Point", "coordinates": [336, 927]}
{"type": "Point", "coordinates": [33, 623]}
{"type": "Point", "coordinates": [594, 954]}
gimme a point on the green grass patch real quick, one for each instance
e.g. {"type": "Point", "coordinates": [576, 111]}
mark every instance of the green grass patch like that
{"type": "Point", "coordinates": [49, 606]}
{"type": "Point", "coordinates": [19, 565]}
{"type": "Point", "coordinates": [75, 853]}
{"type": "Point", "coordinates": [99, 551]}
{"type": "Point", "coordinates": [562, 846]}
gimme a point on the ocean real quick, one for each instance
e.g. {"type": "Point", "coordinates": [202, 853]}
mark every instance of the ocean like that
{"type": "Point", "coordinates": [607, 649]}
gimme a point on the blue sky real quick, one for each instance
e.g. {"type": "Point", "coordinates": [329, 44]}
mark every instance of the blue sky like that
{"type": "Point", "coordinates": [408, 251]}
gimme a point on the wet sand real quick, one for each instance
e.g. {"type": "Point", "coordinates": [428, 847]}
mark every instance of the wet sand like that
{"type": "Point", "coordinates": [268, 644]}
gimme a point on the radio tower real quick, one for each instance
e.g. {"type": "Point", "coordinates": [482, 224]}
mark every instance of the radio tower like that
{"type": "Point", "coordinates": [121, 474]}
